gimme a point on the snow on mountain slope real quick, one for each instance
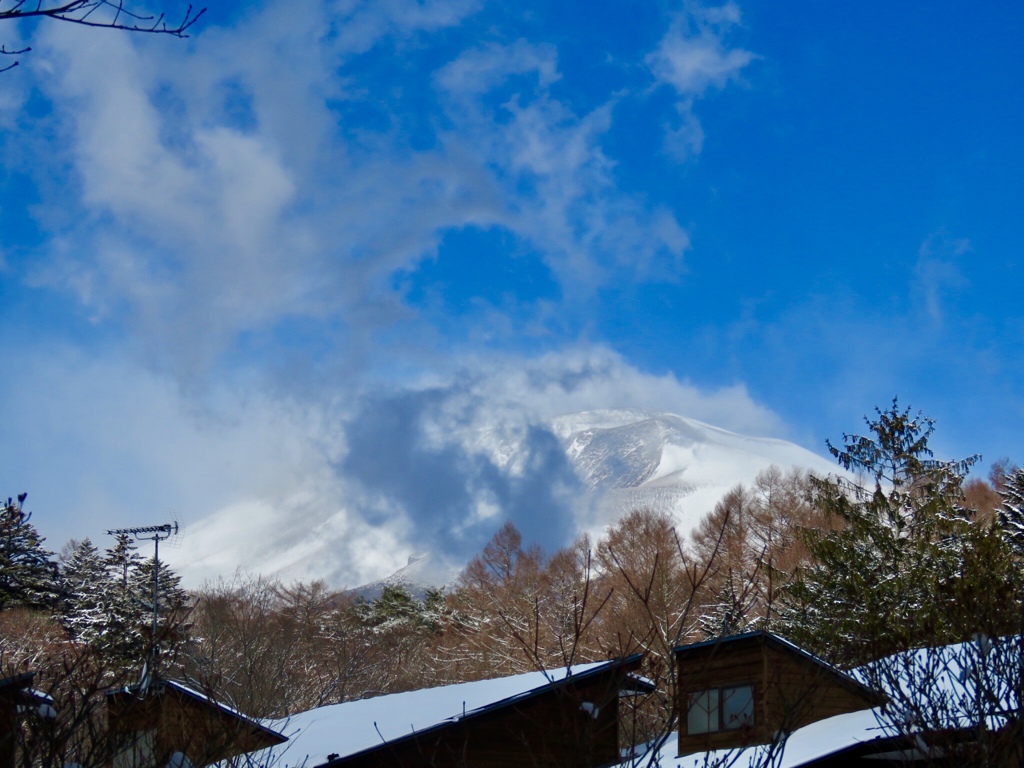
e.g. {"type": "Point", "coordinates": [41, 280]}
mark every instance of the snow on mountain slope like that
{"type": "Point", "coordinates": [576, 473]}
{"type": "Point", "coordinates": [630, 458]}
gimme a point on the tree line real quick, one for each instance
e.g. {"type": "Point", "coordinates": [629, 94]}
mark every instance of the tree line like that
{"type": "Point", "coordinates": [900, 551]}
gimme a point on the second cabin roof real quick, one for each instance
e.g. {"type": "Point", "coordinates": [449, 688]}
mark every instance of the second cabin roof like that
{"type": "Point", "coordinates": [725, 645]}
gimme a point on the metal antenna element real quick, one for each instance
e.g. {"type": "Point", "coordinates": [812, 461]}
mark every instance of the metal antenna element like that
{"type": "Point", "coordinates": [156, 534]}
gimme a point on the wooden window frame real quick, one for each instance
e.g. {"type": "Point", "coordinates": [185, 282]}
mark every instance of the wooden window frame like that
{"type": "Point", "coordinates": [721, 726]}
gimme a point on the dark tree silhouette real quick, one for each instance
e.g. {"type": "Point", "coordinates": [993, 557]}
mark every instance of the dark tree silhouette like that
{"type": "Point", "coordinates": [112, 14]}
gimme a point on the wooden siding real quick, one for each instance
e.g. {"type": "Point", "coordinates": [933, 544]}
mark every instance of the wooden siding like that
{"type": "Point", "coordinates": [790, 690]}
{"type": "Point", "coordinates": [11, 690]}
{"type": "Point", "coordinates": [8, 728]}
{"type": "Point", "coordinates": [203, 732]}
{"type": "Point", "coordinates": [550, 729]}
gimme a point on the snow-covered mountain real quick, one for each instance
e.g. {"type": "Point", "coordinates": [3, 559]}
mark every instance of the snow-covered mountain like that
{"type": "Point", "coordinates": [415, 576]}
{"type": "Point", "coordinates": [422, 517]}
{"type": "Point", "coordinates": [630, 458]}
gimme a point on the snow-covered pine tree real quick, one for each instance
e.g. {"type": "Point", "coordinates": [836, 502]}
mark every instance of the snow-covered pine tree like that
{"type": "Point", "coordinates": [130, 604]}
{"type": "Point", "coordinates": [171, 604]}
{"type": "Point", "coordinates": [396, 608]}
{"type": "Point", "coordinates": [122, 560]}
{"type": "Point", "coordinates": [123, 639]}
{"type": "Point", "coordinates": [728, 615]}
{"type": "Point", "coordinates": [28, 574]}
{"type": "Point", "coordinates": [883, 581]}
{"type": "Point", "coordinates": [1011, 514]}
{"type": "Point", "coordinates": [85, 592]}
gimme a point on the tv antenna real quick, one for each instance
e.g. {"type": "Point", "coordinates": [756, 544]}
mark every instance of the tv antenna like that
{"type": "Point", "coordinates": [156, 534]}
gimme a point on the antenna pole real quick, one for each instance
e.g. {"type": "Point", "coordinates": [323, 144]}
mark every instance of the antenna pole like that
{"type": "Point", "coordinates": [156, 581]}
{"type": "Point", "coordinates": [154, 533]}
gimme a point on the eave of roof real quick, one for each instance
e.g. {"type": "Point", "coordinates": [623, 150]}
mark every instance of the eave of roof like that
{"type": "Point", "coordinates": [628, 662]}
{"type": "Point", "coordinates": [843, 678]}
{"type": "Point", "coordinates": [21, 680]}
{"type": "Point", "coordinates": [184, 690]}
{"type": "Point", "coordinates": [230, 711]}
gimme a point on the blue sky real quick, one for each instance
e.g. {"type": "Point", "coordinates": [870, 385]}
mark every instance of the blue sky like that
{"type": "Point", "coordinates": [220, 257]}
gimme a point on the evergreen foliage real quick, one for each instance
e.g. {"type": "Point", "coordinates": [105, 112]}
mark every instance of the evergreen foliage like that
{"type": "Point", "coordinates": [106, 602]}
{"type": "Point", "coordinates": [728, 615]}
{"type": "Point", "coordinates": [84, 594]}
{"type": "Point", "coordinates": [397, 609]}
{"type": "Point", "coordinates": [28, 574]}
{"type": "Point", "coordinates": [172, 598]}
{"type": "Point", "coordinates": [122, 638]}
{"type": "Point", "coordinates": [907, 567]}
{"type": "Point", "coordinates": [1011, 513]}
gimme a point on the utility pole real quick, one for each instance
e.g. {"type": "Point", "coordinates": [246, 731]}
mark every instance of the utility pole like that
{"type": "Point", "coordinates": [156, 534]}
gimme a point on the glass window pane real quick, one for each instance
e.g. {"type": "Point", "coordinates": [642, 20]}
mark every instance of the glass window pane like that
{"type": "Point", "coordinates": [702, 716]}
{"type": "Point", "coordinates": [737, 707]}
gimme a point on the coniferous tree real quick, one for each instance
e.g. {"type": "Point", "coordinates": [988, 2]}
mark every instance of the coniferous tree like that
{"type": "Point", "coordinates": [886, 579]}
{"type": "Point", "coordinates": [1011, 514]}
{"type": "Point", "coordinates": [122, 560]}
{"type": "Point", "coordinates": [28, 574]}
{"type": "Point", "coordinates": [85, 592]}
{"type": "Point", "coordinates": [728, 615]}
{"type": "Point", "coordinates": [170, 606]}
{"type": "Point", "coordinates": [123, 639]}
{"type": "Point", "coordinates": [169, 591]}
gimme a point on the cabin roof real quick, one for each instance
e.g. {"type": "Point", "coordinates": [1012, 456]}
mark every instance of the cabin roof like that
{"type": "Point", "coordinates": [17, 682]}
{"type": "Point", "coordinates": [804, 746]}
{"type": "Point", "coordinates": [855, 683]}
{"type": "Point", "coordinates": [356, 727]}
{"type": "Point", "coordinates": [18, 688]}
{"type": "Point", "coordinates": [947, 673]}
{"type": "Point", "coordinates": [204, 700]}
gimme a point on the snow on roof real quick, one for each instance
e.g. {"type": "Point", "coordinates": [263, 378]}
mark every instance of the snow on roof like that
{"type": "Point", "coordinates": [951, 686]}
{"type": "Point", "coordinates": [937, 687]}
{"type": "Point", "coordinates": [812, 742]}
{"type": "Point", "coordinates": [354, 726]}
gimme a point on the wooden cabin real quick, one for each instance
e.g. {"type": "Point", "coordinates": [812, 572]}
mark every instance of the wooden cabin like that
{"type": "Point", "coordinates": [566, 717]}
{"type": "Point", "coordinates": [169, 723]}
{"type": "Point", "coordinates": [13, 691]}
{"type": "Point", "coordinates": [752, 688]}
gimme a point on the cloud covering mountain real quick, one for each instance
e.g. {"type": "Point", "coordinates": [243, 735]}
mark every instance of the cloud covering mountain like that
{"type": "Point", "coordinates": [321, 280]}
{"type": "Point", "coordinates": [413, 487]}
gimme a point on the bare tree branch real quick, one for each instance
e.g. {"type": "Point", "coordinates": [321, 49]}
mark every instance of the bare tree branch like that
{"type": "Point", "coordinates": [110, 14]}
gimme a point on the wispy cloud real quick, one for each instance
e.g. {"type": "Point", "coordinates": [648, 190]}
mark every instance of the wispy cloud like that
{"type": "Point", "coordinates": [227, 195]}
{"type": "Point", "coordinates": [693, 58]}
{"type": "Point", "coordinates": [559, 183]}
{"type": "Point", "coordinates": [251, 204]}
{"type": "Point", "coordinates": [938, 274]}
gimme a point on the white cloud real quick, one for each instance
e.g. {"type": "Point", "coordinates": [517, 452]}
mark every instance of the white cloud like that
{"type": "Point", "coordinates": [937, 273]}
{"type": "Point", "coordinates": [694, 57]}
{"type": "Point", "coordinates": [560, 184]}
{"type": "Point", "coordinates": [203, 227]}
{"type": "Point", "coordinates": [344, 492]}
{"type": "Point", "coordinates": [440, 464]}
